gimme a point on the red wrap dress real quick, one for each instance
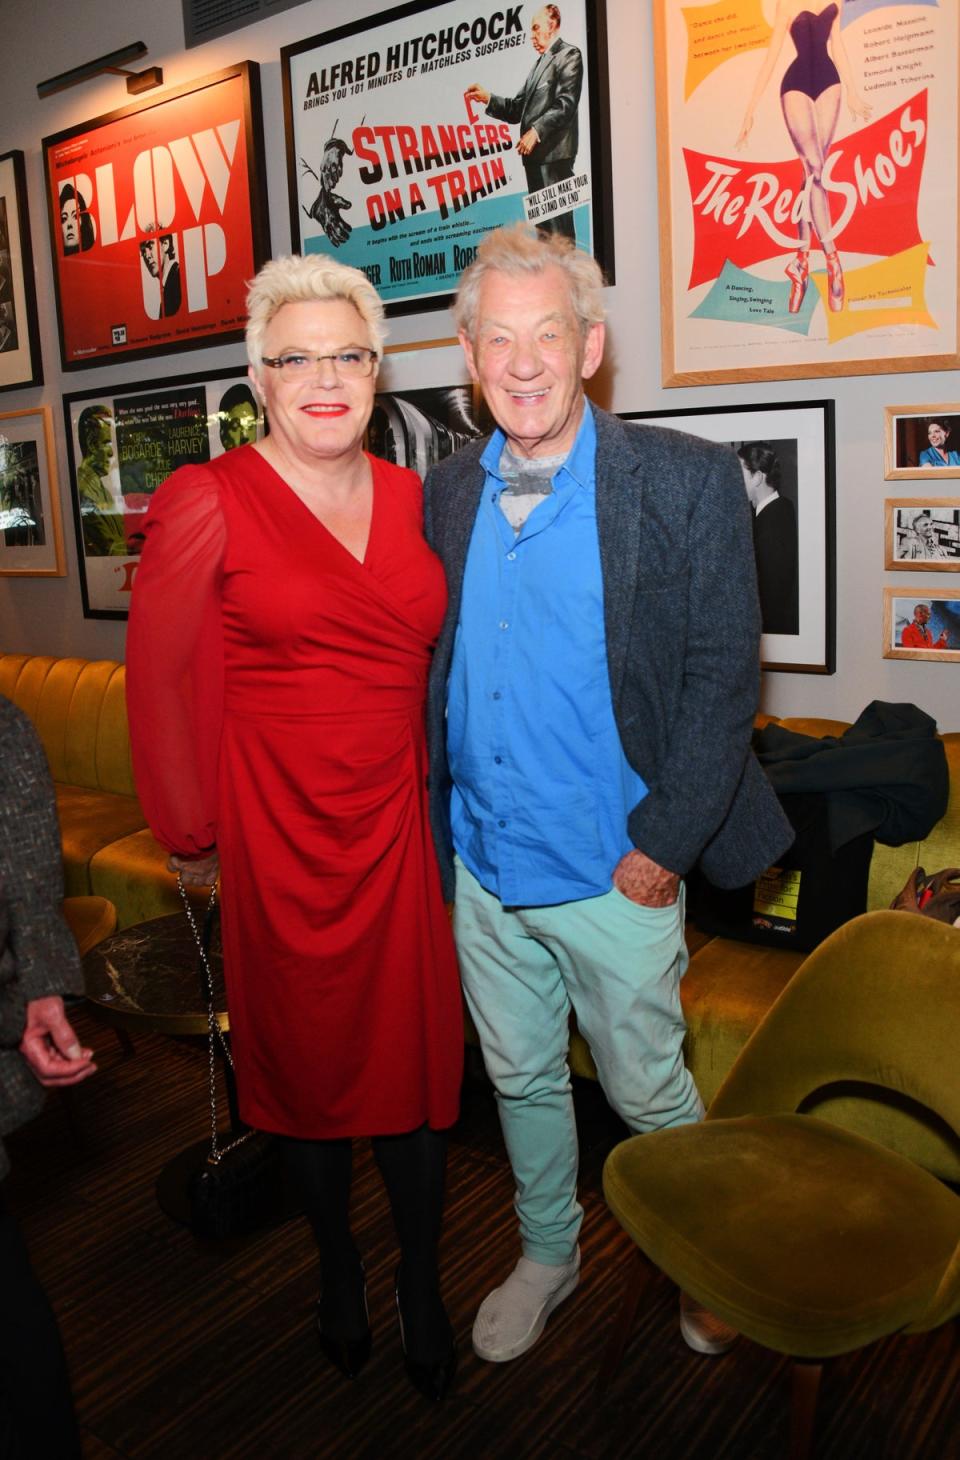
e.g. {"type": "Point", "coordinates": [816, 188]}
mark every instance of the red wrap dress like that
{"type": "Point", "coordinates": [276, 693]}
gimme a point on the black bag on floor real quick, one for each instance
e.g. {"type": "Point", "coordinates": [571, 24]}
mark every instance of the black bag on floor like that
{"type": "Point", "coordinates": [240, 1185]}
{"type": "Point", "coordinates": [239, 1191]}
{"type": "Point", "coordinates": [797, 903]}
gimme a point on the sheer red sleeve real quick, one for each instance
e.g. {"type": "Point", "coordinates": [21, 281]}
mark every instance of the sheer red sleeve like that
{"type": "Point", "coordinates": [175, 662]}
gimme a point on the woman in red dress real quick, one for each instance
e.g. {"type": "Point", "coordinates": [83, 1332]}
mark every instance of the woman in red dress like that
{"type": "Point", "coordinates": [283, 618]}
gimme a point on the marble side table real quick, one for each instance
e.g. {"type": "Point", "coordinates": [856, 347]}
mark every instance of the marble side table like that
{"type": "Point", "coordinates": [147, 978]}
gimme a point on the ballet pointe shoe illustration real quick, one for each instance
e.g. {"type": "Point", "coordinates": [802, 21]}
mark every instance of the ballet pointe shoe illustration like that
{"type": "Point", "coordinates": [798, 272]}
{"type": "Point", "coordinates": [836, 292]}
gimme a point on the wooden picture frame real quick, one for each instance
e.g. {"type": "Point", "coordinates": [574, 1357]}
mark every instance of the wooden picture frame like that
{"type": "Point", "coordinates": [796, 560]}
{"type": "Point", "coordinates": [922, 534]}
{"type": "Point", "coordinates": [158, 220]}
{"type": "Point", "coordinates": [901, 618]}
{"type": "Point", "coordinates": [393, 168]}
{"type": "Point", "coordinates": [20, 360]}
{"type": "Point", "coordinates": [915, 436]}
{"type": "Point", "coordinates": [736, 203]}
{"type": "Point", "coordinates": [123, 442]}
{"type": "Point", "coordinates": [31, 535]}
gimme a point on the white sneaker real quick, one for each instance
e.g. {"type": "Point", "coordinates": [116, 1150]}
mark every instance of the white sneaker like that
{"type": "Point", "coordinates": [702, 1330]}
{"type": "Point", "coordinates": [512, 1317]}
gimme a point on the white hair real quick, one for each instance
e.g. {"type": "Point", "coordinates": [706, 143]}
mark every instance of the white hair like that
{"type": "Point", "coordinates": [297, 278]}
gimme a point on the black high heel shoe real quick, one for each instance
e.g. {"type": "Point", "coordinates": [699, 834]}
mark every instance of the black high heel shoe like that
{"type": "Point", "coordinates": [347, 1355]}
{"type": "Point", "coordinates": [433, 1379]}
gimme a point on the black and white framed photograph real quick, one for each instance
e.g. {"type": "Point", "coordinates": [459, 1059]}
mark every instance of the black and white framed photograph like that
{"type": "Point", "coordinates": [412, 133]}
{"type": "Point", "coordinates": [922, 625]}
{"type": "Point", "coordinates": [122, 443]}
{"type": "Point", "coordinates": [786, 456]}
{"type": "Point", "coordinates": [418, 428]}
{"type": "Point", "coordinates": [921, 441]}
{"type": "Point", "coordinates": [426, 406]}
{"type": "Point", "coordinates": [922, 534]}
{"type": "Point", "coordinates": [31, 538]}
{"type": "Point", "coordinates": [20, 362]}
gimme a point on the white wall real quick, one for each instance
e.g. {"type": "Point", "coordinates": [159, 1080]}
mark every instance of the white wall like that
{"type": "Point", "coordinates": [46, 615]}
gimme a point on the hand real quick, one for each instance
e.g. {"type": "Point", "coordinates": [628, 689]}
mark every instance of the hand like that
{"type": "Point", "coordinates": [477, 93]}
{"type": "Point", "coordinates": [51, 1048]}
{"type": "Point", "coordinates": [528, 141]}
{"type": "Point", "coordinates": [645, 882]}
{"type": "Point", "coordinates": [196, 871]}
{"type": "Point", "coordinates": [944, 641]}
{"type": "Point", "coordinates": [326, 210]}
{"type": "Point", "coordinates": [744, 131]}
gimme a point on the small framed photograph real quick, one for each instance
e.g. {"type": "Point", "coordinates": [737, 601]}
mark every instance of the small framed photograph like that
{"type": "Point", "coordinates": [31, 538]}
{"type": "Point", "coordinates": [158, 218]}
{"type": "Point", "coordinates": [921, 625]}
{"type": "Point", "coordinates": [921, 441]}
{"type": "Point", "coordinates": [20, 362]}
{"type": "Point", "coordinates": [786, 456]}
{"type": "Point", "coordinates": [122, 444]}
{"type": "Point", "coordinates": [922, 534]}
{"type": "Point", "coordinates": [412, 133]}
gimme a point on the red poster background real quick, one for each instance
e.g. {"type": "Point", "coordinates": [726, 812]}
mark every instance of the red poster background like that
{"type": "Point", "coordinates": [103, 294]}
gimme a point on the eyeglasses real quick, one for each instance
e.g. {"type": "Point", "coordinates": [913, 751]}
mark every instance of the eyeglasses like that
{"type": "Point", "coordinates": [299, 364]}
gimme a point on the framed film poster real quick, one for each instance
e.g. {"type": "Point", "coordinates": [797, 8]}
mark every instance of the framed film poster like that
{"type": "Point", "coordinates": [412, 133]}
{"type": "Point", "coordinates": [19, 335]}
{"type": "Point", "coordinates": [31, 540]}
{"type": "Point", "coordinates": [807, 170]}
{"type": "Point", "coordinates": [158, 218]}
{"type": "Point", "coordinates": [122, 444]}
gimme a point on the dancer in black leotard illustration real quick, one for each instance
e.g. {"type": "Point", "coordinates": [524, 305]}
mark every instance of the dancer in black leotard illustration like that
{"type": "Point", "coordinates": [810, 101]}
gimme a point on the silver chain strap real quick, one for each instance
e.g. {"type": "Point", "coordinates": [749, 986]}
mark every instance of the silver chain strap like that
{"type": "Point", "coordinates": [214, 1029]}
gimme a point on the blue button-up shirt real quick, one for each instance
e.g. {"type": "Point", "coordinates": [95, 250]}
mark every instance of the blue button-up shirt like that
{"type": "Point", "coordinates": [542, 788]}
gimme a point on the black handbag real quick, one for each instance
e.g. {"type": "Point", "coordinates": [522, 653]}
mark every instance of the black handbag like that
{"type": "Point", "coordinates": [239, 1188]}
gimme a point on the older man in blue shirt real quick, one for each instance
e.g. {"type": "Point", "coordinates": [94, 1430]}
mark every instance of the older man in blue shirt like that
{"type": "Point", "coordinates": [590, 711]}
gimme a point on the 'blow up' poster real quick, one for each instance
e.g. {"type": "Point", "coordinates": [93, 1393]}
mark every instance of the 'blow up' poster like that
{"type": "Point", "coordinates": [157, 220]}
{"type": "Point", "coordinates": [808, 187]}
{"type": "Point", "coordinates": [410, 136]}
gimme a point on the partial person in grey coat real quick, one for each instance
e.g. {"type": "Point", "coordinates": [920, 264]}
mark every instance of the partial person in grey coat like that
{"type": "Point", "coordinates": [590, 710]}
{"type": "Point", "coordinates": [545, 109]}
{"type": "Point", "coordinates": [38, 1047]}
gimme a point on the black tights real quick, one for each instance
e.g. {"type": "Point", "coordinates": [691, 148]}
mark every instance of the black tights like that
{"type": "Point", "coordinates": [412, 1167]}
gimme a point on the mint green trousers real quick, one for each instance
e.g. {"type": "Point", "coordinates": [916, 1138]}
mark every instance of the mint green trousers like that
{"type": "Point", "coordinates": [618, 966]}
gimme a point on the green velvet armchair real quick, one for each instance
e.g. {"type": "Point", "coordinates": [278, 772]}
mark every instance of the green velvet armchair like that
{"type": "Point", "coordinates": [807, 1237]}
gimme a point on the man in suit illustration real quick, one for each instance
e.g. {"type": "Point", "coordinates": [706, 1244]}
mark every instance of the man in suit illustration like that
{"type": "Point", "coordinates": [591, 702]}
{"type": "Point", "coordinates": [546, 110]}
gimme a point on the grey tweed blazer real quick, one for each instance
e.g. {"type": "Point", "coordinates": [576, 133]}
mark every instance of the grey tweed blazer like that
{"type": "Point", "coordinates": [38, 956]}
{"type": "Point", "coordinates": [683, 631]}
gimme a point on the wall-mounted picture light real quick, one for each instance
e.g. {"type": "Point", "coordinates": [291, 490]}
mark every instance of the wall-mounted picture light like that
{"type": "Point", "coordinates": [114, 63]}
